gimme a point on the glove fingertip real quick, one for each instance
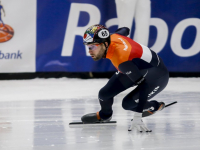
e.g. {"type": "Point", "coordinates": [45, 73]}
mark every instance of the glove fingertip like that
{"type": "Point", "coordinates": [149, 131]}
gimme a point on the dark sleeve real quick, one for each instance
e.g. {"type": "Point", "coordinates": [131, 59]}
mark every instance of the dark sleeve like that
{"type": "Point", "coordinates": [123, 31]}
{"type": "Point", "coordinates": [132, 71]}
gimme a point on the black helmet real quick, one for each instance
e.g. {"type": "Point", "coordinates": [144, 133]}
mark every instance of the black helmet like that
{"type": "Point", "coordinates": [96, 34]}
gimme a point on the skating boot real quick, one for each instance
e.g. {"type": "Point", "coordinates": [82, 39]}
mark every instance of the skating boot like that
{"type": "Point", "coordinates": [151, 112]}
{"type": "Point", "coordinates": [94, 118]}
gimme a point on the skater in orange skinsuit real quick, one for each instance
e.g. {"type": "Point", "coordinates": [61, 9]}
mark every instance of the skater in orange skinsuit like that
{"type": "Point", "coordinates": [137, 65]}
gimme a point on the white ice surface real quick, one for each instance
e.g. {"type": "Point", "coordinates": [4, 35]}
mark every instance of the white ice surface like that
{"type": "Point", "coordinates": [64, 88]}
{"type": "Point", "coordinates": [35, 115]}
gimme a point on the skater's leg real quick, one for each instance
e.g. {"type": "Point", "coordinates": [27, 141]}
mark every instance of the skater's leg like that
{"type": "Point", "coordinates": [117, 83]}
{"type": "Point", "coordinates": [137, 100]}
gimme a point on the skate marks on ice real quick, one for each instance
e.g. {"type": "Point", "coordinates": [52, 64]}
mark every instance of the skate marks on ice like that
{"type": "Point", "coordinates": [44, 124]}
{"type": "Point", "coordinates": [177, 125]}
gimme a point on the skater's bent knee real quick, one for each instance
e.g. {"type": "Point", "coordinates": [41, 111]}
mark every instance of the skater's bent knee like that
{"type": "Point", "coordinates": [128, 103]}
{"type": "Point", "coordinates": [103, 94]}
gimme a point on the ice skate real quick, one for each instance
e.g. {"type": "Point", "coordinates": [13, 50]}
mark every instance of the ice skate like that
{"type": "Point", "coordinates": [151, 112]}
{"type": "Point", "coordinates": [93, 118]}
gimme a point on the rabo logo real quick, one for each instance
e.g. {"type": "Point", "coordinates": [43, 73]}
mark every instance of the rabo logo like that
{"type": "Point", "coordinates": [6, 31]}
{"type": "Point", "coordinates": [73, 30]}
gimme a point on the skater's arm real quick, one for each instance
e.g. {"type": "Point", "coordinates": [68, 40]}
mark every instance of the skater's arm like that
{"type": "Point", "coordinates": [123, 31]}
{"type": "Point", "coordinates": [132, 71]}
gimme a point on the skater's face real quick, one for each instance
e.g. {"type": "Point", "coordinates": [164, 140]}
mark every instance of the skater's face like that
{"type": "Point", "coordinates": [96, 50]}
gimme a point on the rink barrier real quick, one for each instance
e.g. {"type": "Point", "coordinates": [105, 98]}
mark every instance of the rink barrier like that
{"type": "Point", "coordinates": [81, 75]}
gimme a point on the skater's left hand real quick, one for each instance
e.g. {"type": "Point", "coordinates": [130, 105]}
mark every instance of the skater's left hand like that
{"type": "Point", "coordinates": [138, 123]}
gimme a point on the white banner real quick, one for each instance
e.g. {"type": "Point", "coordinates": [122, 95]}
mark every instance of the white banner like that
{"type": "Point", "coordinates": [17, 35]}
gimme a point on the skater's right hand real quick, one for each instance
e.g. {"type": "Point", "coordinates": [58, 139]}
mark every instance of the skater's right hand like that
{"type": "Point", "coordinates": [138, 123]}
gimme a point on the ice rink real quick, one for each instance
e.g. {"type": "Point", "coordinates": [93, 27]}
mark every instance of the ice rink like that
{"type": "Point", "coordinates": [35, 115]}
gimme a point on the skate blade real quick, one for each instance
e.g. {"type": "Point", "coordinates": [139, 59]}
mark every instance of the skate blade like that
{"type": "Point", "coordinates": [96, 123]}
{"type": "Point", "coordinates": [148, 113]}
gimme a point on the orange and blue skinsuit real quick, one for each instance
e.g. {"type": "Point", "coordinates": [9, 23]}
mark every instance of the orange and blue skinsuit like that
{"type": "Point", "coordinates": [137, 65]}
